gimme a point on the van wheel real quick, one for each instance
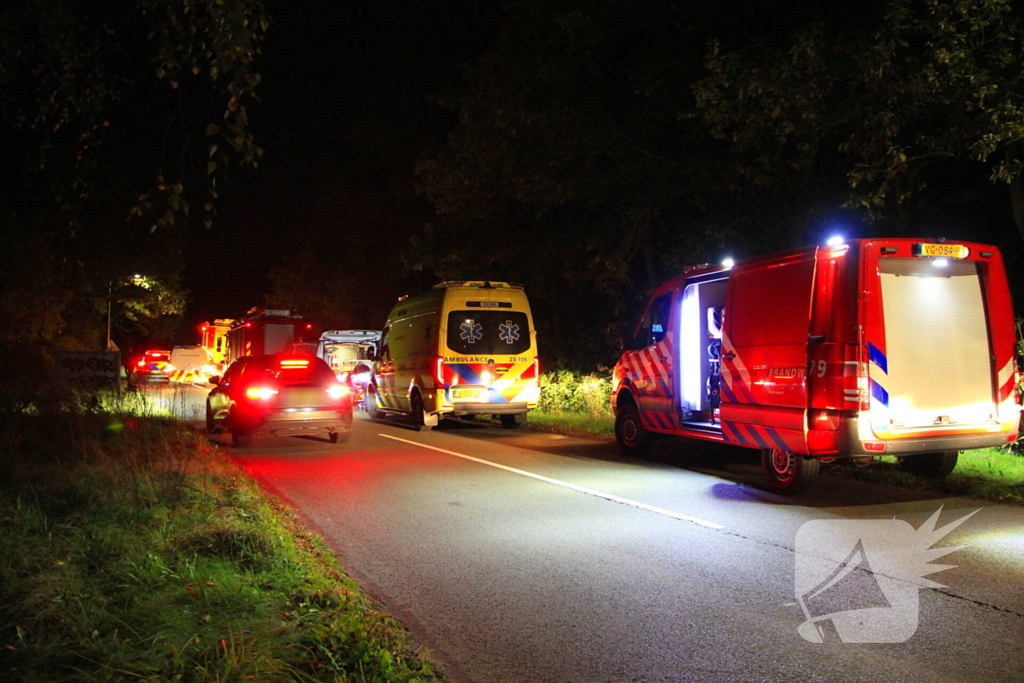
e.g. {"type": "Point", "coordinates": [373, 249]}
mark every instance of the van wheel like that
{"type": "Point", "coordinates": [417, 414]}
{"type": "Point", "coordinates": [510, 422]}
{"type": "Point", "coordinates": [370, 403]}
{"type": "Point", "coordinates": [931, 465]}
{"type": "Point", "coordinates": [788, 472]}
{"type": "Point", "coordinates": [630, 434]}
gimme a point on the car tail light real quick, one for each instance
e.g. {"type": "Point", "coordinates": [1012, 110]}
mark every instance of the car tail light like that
{"type": "Point", "coordinates": [142, 363]}
{"type": "Point", "coordinates": [294, 364]}
{"type": "Point", "coordinates": [260, 393]}
{"type": "Point", "coordinates": [337, 391]}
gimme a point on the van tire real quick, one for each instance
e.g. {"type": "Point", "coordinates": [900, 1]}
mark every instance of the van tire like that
{"type": "Point", "coordinates": [633, 439]}
{"type": "Point", "coordinates": [370, 403]}
{"type": "Point", "coordinates": [931, 465]}
{"type": "Point", "coordinates": [418, 421]}
{"type": "Point", "coordinates": [512, 421]}
{"type": "Point", "coordinates": [789, 473]}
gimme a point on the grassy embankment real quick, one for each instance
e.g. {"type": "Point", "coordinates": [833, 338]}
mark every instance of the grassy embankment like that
{"type": "Point", "coordinates": [577, 404]}
{"type": "Point", "coordinates": [131, 550]}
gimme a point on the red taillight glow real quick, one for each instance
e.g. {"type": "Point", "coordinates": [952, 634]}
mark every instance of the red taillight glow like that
{"type": "Point", "coordinates": [876, 446]}
{"type": "Point", "coordinates": [439, 372]}
{"type": "Point", "coordinates": [259, 393]}
{"type": "Point", "coordinates": [338, 391]}
{"type": "Point", "coordinates": [142, 363]}
{"type": "Point", "coordinates": [294, 363]}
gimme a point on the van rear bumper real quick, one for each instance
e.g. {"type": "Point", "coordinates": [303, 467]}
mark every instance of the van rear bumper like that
{"type": "Point", "coordinates": [851, 440]}
{"type": "Point", "coordinates": [486, 409]}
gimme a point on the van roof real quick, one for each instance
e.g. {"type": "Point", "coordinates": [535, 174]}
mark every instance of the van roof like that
{"type": "Point", "coordinates": [481, 284]}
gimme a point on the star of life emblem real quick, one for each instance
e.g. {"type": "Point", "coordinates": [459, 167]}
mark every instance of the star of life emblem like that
{"type": "Point", "coordinates": [472, 331]}
{"type": "Point", "coordinates": [508, 332]}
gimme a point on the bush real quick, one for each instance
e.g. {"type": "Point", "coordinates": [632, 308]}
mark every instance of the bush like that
{"type": "Point", "coordinates": [566, 391]}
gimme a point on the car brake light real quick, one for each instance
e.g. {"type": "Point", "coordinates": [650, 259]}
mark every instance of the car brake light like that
{"type": "Point", "coordinates": [259, 393]}
{"type": "Point", "coordinates": [294, 364]}
{"type": "Point", "coordinates": [338, 391]}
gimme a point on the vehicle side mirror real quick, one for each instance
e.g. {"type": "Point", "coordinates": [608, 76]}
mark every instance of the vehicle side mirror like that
{"type": "Point", "coordinates": [214, 379]}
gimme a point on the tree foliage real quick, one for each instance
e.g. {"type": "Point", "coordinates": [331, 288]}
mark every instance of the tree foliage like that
{"type": "Point", "coordinates": [572, 170]}
{"type": "Point", "coordinates": [927, 91]}
{"type": "Point", "coordinates": [115, 111]}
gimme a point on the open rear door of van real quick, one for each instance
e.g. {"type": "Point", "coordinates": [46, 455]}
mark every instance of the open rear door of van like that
{"type": "Point", "coordinates": [933, 366]}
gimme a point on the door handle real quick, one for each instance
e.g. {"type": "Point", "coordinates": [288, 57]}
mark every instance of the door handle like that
{"type": "Point", "coordinates": [728, 355]}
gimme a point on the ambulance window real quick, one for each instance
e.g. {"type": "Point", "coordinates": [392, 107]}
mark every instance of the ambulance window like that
{"type": "Point", "coordinates": [488, 332]}
{"type": "Point", "coordinates": [383, 351]}
{"type": "Point", "coordinates": [655, 324]}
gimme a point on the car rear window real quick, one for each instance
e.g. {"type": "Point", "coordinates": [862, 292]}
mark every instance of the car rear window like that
{"type": "Point", "coordinates": [488, 332]}
{"type": "Point", "coordinates": [289, 370]}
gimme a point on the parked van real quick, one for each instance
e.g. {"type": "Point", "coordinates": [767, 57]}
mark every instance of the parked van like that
{"type": "Point", "coordinates": [190, 364]}
{"type": "Point", "coordinates": [464, 348]}
{"type": "Point", "coordinates": [895, 347]}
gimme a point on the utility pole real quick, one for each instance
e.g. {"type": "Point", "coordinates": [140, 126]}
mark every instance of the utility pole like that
{"type": "Point", "coordinates": [110, 302]}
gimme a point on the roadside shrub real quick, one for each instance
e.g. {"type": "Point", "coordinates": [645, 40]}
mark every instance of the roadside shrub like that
{"type": "Point", "coordinates": [566, 391]}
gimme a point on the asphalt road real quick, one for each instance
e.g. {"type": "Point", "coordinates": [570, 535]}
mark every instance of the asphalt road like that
{"type": "Point", "coordinates": [514, 556]}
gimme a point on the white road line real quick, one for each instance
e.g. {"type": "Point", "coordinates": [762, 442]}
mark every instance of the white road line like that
{"type": "Point", "coordinates": [565, 484]}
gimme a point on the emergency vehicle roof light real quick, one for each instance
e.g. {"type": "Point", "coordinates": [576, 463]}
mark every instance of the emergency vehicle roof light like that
{"type": "Point", "coordinates": [728, 262]}
{"type": "Point", "coordinates": [835, 241]}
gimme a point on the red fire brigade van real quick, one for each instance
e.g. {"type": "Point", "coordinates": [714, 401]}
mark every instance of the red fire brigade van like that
{"type": "Point", "coordinates": [896, 347]}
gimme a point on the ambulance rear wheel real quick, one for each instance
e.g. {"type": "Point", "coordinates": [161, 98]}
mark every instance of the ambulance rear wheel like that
{"type": "Point", "coordinates": [931, 465]}
{"type": "Point", "coordinates": [512, 421]}
{"type": "Point", "coordinates": [630, 434]}
{"type": "Point", "coordinates": [418, 416]}
{"type": "Point", "coordinates": [370, 403]}
{"type": "Point", "coordinates": [787, 472]}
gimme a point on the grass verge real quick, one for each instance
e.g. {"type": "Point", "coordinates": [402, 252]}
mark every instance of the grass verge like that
{"type": "Point", "coordinates": [131, 550]}
{"type": "Point", "coordinates": [995, 474]}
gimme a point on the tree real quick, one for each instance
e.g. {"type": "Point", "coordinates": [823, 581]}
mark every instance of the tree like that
{"type": "Point", "coordinates": [112, 112]}
{"type": "Point", "coordinates": [575, 169]}
{"type": "Point", "coordinates": [919, 108]}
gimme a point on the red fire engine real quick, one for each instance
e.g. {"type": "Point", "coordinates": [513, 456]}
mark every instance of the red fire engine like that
{"type": "Point", "coordinates": [267, 331]}
{"type": "Point", "coordinates": [876, 347]}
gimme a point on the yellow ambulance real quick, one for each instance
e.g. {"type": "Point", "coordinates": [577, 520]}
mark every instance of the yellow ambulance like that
{"type": "Point", "coordinates": [466, 347]}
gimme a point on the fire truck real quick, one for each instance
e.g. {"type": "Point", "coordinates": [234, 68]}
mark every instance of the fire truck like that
{"type": "Point", "coordinates": [876, 347]}
{"type": "Point", "coordinates": [266, 331]}
{"type": "Point", "coordinates": [213, 337]}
